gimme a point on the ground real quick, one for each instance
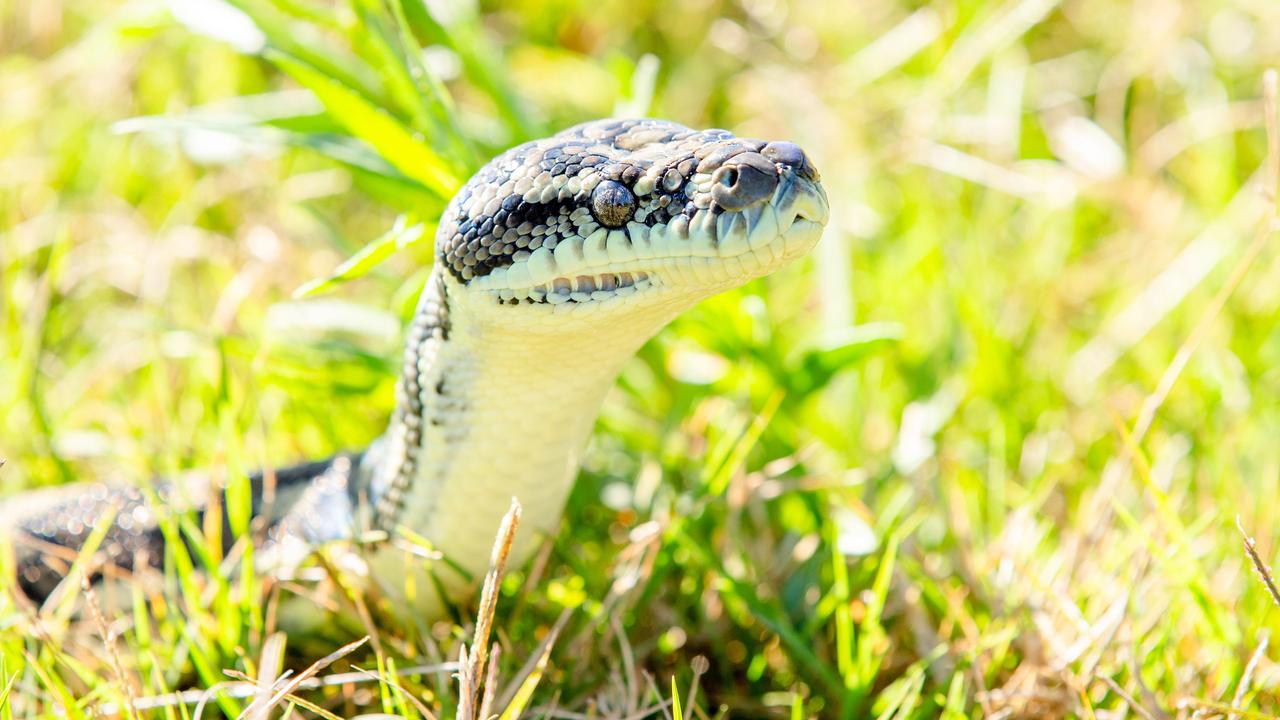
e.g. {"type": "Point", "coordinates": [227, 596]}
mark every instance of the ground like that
{"type": "Point", "coordinates": [992, 451]}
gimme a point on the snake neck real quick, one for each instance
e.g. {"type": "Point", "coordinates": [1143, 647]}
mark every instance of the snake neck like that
{"type": "Point", "coordinates": [487, 413]}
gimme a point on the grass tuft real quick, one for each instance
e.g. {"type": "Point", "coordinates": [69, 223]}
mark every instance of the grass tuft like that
{"type": "Point", "coordinates": [978, 457]}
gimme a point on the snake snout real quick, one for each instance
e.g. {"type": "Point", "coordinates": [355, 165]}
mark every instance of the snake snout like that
{"type": "Point", "coordinates": [790, 155]}
{"type": "Point", "coordinates": [745, 179]}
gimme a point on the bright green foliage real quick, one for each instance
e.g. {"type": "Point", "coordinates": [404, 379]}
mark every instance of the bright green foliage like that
{"type": "Point", "coordinates": [983, 454]}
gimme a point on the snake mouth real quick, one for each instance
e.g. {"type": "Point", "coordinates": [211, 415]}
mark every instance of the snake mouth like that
{"type": "Point", "coordinates": [581, 288]}
{"type": "Point", "coordinates": [705, 249]}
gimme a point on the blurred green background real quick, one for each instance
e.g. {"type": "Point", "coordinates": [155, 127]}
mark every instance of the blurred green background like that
{"type": "Point", "coordinates": [983, 454]}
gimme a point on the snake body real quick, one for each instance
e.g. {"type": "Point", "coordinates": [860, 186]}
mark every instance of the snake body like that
{"type": "Point", "coordinates": [554, 264]}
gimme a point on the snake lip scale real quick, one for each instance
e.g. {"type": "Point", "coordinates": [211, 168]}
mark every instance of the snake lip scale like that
{"type": "Point", "coordinates": [634, 255]}
{"type": "Point", "coordinates": [554, 263]}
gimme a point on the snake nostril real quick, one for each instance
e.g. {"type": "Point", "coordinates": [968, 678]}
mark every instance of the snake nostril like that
{"type": "Point", "coordinates": [749, 179]}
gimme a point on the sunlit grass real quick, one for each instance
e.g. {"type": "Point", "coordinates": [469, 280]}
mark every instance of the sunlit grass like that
{"type": "Point", "coordinates": [983, 455]}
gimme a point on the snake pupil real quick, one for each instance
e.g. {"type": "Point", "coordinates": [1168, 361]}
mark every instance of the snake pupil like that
{"type": "Point", "coordinates": [729, 178]}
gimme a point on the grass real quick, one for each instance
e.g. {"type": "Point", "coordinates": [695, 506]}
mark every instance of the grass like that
{"type": "Point", "coordinates": [1003, 447]}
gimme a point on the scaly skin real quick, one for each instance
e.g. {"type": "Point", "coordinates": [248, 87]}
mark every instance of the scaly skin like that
{"type": "Point", "coordinates": [555, 263]}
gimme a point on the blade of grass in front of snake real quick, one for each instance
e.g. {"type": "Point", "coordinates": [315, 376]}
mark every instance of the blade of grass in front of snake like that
{"type": "Point", "coordinates": [677, 712]}
{"type": "Point", "coordinates": [81, 567]}
{"type": "Point", "coordinates": [515, 708]}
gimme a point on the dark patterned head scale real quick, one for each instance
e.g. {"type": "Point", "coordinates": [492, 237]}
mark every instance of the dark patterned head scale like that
{"type": "Point", "coordinates": [606, 173]}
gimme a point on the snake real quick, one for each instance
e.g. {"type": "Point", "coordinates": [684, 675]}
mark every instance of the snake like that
{"type": "Point", "coordinates": [553, 264]}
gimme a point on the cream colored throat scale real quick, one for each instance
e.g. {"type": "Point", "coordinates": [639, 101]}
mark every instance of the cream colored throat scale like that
{"type": "Point", "coordinates": [554, 264]}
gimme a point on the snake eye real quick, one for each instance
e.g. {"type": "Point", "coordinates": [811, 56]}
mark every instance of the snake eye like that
{"type": "Point", "coordinates": [612, 204]}
{"type": "Point", "coordinates": [729, 178]}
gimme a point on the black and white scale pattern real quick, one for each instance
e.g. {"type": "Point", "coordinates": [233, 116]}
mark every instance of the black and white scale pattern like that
{"type": "Point", "coordinates": [606, 173]}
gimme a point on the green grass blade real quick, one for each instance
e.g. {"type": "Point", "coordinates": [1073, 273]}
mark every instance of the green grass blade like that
{"type": "Point", "coordinates": [873, 639]}
{"type": "Point", "coordinates": [954, 708]}
{"type": "Point", "coordinates": [372, 35]}
{"type": "Point", "coordinates": [53, 682]}
{"type": "Point", "coordinates": [677, 712]}
{"type": "Point", "coordinates": [4, 695]}
{"type": "Point", "coordinates": [839, 351]}
{"type": "Point", "coordinates": [400, 236]}
{"type": "Point", "coordinates": [845, 660]}
{"type": "Point", "coordinates": [433, 94]}
{"type": "Point", "coordinates": [82, 564]}
{"type": "Point", "coordinates": [523, 695]}
{"type": "Point", "coordinates": [481, 61]}
{"type": "Point", "coordinates": [301, 41]}
{"type": "Point", "coordinates": [343, 149]}
{"type": "Point", "coordinates": [771, 618]}
{"type": "Point", "coordinates": [370, 123]}
{"type": "Point", "coordinates": [718, 482]}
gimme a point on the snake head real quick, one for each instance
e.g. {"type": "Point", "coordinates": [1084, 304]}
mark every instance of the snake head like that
{"type": "Point", "coordinates": [618, 216]}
